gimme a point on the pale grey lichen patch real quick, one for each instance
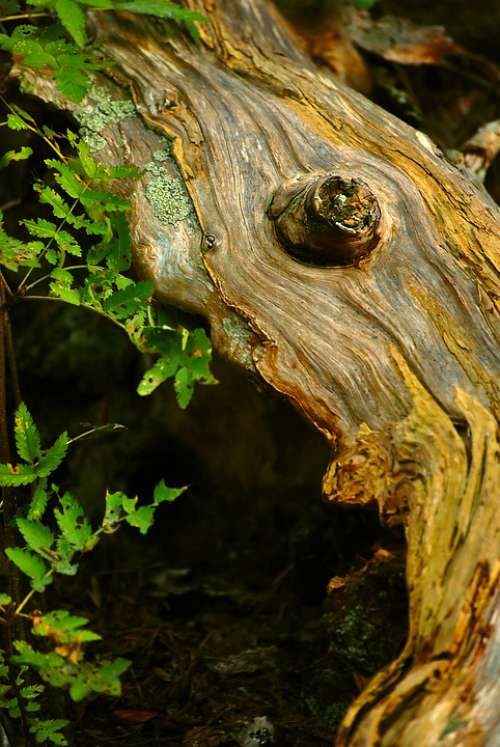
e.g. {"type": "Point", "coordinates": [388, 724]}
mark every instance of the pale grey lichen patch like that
{"type": "Point", "coordinates": [101, 111]}
{"type": "Point", "coordinates": [239, 340]}
{"type": "Point", "coordinates": [166, 193]}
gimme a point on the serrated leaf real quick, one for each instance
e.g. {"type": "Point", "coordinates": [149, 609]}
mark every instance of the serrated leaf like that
{"type": "Point", "coordinates": [53, 457]}
{"type": "Point", "coordinates": [103, 201]}
{"type": "Point", "coordinates": [66, 178]}
{"type": "Point", "coordinates": [15, 122]}
{"type": "Point", "coordinates": [40, 227]}
{"type": "Point", "coordinates": [73, 522]}
{"type": "Point", "coordinates": [119, 255]}
{"type": "Point", "coordinates": [32, 691]}
{"type": "Point", "coordinates": [73, 84]}
{"type": "Point", "coordinates": [37, 57]}
{"type": "Point", "coordinates": [39, 501]}
{"type": "Point", "coordinates": [161, 9]}
{"type": "Point", "coordinates": [63, 276]}
{"type": "Point", "coordinates": [163, 369]}
{"type": "Point", "coordinates": [183, 386]}
{"type": "Point", "coordinates": [61, 209]}
{"type": "Point", "coordinates": [68, 295]}
{"type": "Point", "coordinates": [15, 155]}
{"type": "Point", "coordinates": [113, 511]}
{"type": "Point", "coordinates": [49, 730]}
{"type": "Point", "coordinates": [45, 229]}
{"type": "Point", "coordinates": [5, 599]}
{"type": "Point", "coordinates": [163, 493]}
{"type": "Point", "coordinates": [31, 565]}
{"type": "Point", "coordinates": [35, 534]}
{"type": "Point", "coordinates": [26, 433]}
{"type": "Point", "coordinates": [89, 165]}
{"type": "Point", "coordinates": [15, 253]}
{"type": "Point", "coordinates": [64, 627]}
{"type": "Point", "coordinates": [123, 171]}
{"type": "Point", "coordinates": [128, 301]}
{"type": "Point", "coordinates": [28, 655]}
{"type": "Point", "coordinates": [14, 476]}
{"type": "Point", "coordinates": [73, 19]}
{"type": "Point", "coordinates": [79, 688]}
{"type": "Point", "coordinates": [142, 518]}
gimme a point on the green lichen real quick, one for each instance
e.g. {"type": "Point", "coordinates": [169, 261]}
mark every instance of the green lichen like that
{"type": "Point", "coordinates": [239, 338]}
{"type": "Point", "coordinates": [453, 725]}
{"type": "Point", "coordinates": [167, 194]}
{"type": "Point", "coordinates": [358, 641]}
{"type": "Point", "coordinates": [102, 111]}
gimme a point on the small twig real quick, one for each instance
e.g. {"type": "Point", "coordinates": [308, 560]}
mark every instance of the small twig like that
{"type": "Point", "coordinates": [20, 16]}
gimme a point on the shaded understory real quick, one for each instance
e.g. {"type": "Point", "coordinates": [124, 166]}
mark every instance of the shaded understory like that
{"type": "Point", "coordinates": [222, 608]}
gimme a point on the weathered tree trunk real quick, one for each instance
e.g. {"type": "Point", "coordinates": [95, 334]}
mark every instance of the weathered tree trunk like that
{"type": "Point", "coordinates": [337, 253]}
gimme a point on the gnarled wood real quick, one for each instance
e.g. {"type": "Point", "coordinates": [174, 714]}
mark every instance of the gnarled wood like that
{"type": "Point", "coordinates": [389, 343]}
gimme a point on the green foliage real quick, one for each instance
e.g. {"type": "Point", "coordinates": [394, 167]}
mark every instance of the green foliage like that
{"type": "Point", "coordinates": [78, 250]}
{"type": "Point", "coordinates": [365, 4]}
{"type": "Point", "coordinates": [89, 223]}
{"type": "Point", "coordinates": [62, 48]}
{"type": "Point", "coordinates": [31, 565]}
{"type": "Point", "coordinates": [27, 437]}
{"type": "Point", "coordinates": [40, 463]}
{"type": "Point", "coordinates": [56, 533]}
{"type": "Point", "coordinates": [48, 730]}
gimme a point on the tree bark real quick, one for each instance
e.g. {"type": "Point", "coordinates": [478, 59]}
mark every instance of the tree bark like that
{"type": "Point", "coordinates": [338, 254]}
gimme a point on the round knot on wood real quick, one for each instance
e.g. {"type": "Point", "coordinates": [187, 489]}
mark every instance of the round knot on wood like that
{"type": "Point", "coordinates": [330, 221]}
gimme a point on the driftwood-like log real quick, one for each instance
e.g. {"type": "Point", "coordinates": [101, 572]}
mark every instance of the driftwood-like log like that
{"type": "Point", "coordinates": [336, 252]}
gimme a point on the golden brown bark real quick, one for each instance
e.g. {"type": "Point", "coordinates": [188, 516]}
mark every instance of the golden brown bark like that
{"type": "Point", "coordinates": [391, 351]}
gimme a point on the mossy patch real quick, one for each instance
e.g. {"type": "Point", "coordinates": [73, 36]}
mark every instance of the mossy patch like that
{"type": "Point", "coordinates": [102, 111]}
{"type": "Point", "coordinates": [167, 194]}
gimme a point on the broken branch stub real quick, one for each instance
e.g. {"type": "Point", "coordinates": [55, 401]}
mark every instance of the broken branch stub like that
{"type": "Point", "coordinates": [329, 221]}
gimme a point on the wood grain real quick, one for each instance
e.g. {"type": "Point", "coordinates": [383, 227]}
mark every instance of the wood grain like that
{"type": "Point", "coordinates": [393, 357]}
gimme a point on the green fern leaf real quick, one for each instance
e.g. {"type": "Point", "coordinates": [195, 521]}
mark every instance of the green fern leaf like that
{"type": "Point", "coordinates": [53, 457]}
{"type": "Point", "coordinates": [183, 386]}
{"type": "Point", "coordinates": [161, 9]}
{"type": "Point", "coordinates": [15, 253]}
{"type": "Point", "coordinates": [31, 565]}
{"type": "Point", "coordinates": [49, 730]}
{"type": "Point", "coordinates": [39, 501]}
{"type": "Point", "coordinates": [15, 155]}
{"type": "Point", "coordinates": [74, 84]}
{"type": "Point", "coordinates": [73, 19]}
{"type": "Point", "coordinates": [27, 436]}
{"type": "Point", "coordinates": [66, 178]}
{"type": "Point", "coordinates": [65, 628]}
{"type": "Point", "coordinates": [14, 476]}
{"type": "Point", "coordinates": [16, 122]}
{"type": "Point", "coordinates": [126, 302]}
{"type": "Point", "coordinates": [35, 534]}
{"type": "Point", "coordinates": [73, 523]}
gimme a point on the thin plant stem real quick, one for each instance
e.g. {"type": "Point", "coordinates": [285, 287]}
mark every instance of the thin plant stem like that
{"type": "Point", "coordinates": [20, 16]}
